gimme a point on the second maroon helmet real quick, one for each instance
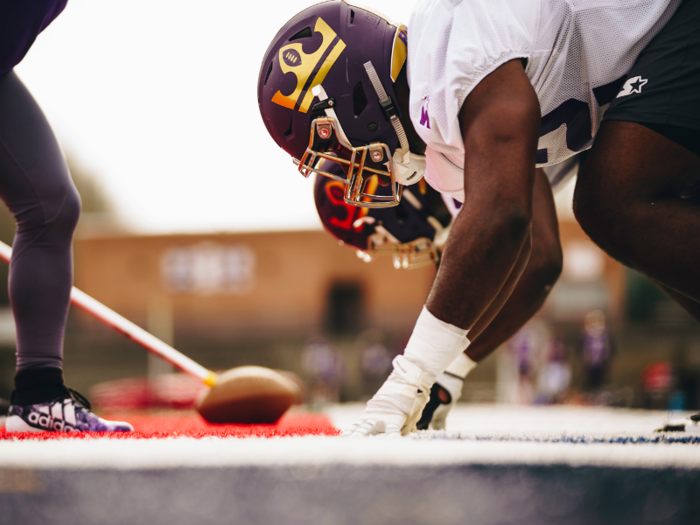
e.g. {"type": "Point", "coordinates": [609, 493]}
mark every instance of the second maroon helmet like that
{"type": "Point", "coordinates": [412, 232]}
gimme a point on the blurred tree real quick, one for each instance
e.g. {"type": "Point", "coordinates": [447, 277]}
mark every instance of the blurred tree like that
{"type": "Point", "coordinates": [94, 200]}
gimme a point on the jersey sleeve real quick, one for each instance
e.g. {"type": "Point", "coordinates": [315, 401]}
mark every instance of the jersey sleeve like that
{"type": "Point", "coordinates": [484, 35]}
{"type": "Point", "coordinates": [454, 44]}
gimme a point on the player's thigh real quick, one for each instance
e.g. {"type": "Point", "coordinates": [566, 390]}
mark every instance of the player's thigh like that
{"type": "Point", "coordinates": [35, 181]}
{"type": "Point", "coordinates": [648, 146]}
{"type": "Point", "coordinates": [631, 163]}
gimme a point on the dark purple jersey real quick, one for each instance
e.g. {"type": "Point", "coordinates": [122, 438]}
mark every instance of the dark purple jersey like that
{"type": "Point", "coordinates": [20, 23]}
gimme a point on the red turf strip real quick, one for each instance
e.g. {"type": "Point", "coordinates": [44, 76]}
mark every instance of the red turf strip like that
{"type": "Point", "coordinates": [190, 424]}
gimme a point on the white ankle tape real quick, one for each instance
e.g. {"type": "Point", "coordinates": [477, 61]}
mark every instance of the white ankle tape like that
{"type": "Point", "coordinates": [435, 344]}
{"type": "Point", "coordinates": [461, 366]}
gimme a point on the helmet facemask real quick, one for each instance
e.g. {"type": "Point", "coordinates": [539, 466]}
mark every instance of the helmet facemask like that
{"type": "Point", "coordinates": [365, 167]}
{"type": "Point", "coordinates": [417, 253]}
{"type": "Point", "coordinates": [410, 255]}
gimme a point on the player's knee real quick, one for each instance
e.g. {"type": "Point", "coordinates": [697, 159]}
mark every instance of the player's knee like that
{"type": "Point", "coordinates": [549, 275]}
{"type": "Point", "coordinates": [547, 267]}
{"type": "Point", "coordinates": [55, 215]}
{"type": "Point", "coordinates": [54, 212]}
{"type": "Point", "coordinates": [591, 210]}
{"type": "Point", "coordinates": [606, 218]}
{"type": "Point", "coordinates": [68, 214]}
{"type": "Point", "coordinates": [552, 267]}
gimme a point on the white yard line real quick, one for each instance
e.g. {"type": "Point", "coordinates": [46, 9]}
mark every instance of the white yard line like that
{"type": "Point", "coordinates": [317, 451]}
{"type": "Point", "coordinates": [530, 420]}
{"type": "Point", "coordinates": [476, 435]}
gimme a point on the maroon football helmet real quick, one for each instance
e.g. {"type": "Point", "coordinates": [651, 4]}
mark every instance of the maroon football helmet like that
{"type": "Point", "coordinates": [326, 92]}
{"type": "Point", "coordinates": [414, 232]}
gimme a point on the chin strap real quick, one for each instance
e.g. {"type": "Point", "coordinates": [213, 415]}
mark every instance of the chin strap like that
{"type": "Point", "coordinates": [410, 167]}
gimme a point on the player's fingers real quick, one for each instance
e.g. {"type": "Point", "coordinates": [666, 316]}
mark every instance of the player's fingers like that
{"type": "Point", "coordinates": [364, 429]}
{"type": "Point", "coordinates": [392, 431]}
{"type": "Point", "coordinates": [352, 429]}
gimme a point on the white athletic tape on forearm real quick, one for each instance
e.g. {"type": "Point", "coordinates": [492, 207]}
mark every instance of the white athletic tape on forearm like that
{"type": "Point", "coordinates": [461, 366]}
{"type": "Point", "coordinates": [435, 344]}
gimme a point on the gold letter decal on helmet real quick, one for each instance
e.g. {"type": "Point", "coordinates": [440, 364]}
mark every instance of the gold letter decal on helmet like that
{"type": "Point", "coordinates": [399, 52]}
{"type": "Point", "coordinates": [292, 59]}
{"type": "Point", "coordinates": [353, 212]}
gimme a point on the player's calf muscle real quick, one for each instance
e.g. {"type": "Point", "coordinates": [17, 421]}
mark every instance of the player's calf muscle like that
{"type": "Point", "coordinates": [533, 286]}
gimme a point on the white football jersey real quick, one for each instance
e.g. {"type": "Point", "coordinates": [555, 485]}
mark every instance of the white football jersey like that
{"type": "Point", "coordinates": [578, 53]}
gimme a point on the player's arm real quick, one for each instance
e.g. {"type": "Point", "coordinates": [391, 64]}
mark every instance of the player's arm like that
{"type": "Point", "coordinates": [500, 122]}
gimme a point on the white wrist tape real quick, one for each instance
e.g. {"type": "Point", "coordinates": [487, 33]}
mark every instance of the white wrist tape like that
{"type": "Point", "coordinates": [435, 344]}
{"type": "Point", "coordinates": [461, 366]}
{"type": "Point", "coordinates": [406, 379]}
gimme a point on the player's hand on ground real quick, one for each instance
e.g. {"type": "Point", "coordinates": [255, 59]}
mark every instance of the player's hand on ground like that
{"type": "Point", "coordinates": [397, 405]}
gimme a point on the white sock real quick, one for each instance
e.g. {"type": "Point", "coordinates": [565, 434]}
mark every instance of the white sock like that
{"type": "Point", "coordinates": [453, 377]}
{"type": "Point", "coordinates": [461, 366]}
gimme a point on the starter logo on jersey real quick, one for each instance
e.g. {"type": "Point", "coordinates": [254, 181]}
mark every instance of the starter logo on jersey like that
{"type": "Point", "coordinates": [310, 69]}
{"type": "Point", "coordinates": [633, 85]}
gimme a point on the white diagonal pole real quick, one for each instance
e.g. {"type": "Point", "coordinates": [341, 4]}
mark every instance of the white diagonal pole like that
{"type": "Point", "coordinates": [131, 331]}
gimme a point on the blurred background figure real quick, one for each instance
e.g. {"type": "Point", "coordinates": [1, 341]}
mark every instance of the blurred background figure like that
{"type": "Point", "coordinates": [527, 359]}
{"type": "Point", "coordinates": [524, 350]}
{"type": "Point", "coordinates": [324, 368]}
{"type": "Point", "coordinates": [657, 383]}
{"type": "Point", "coordinates": [596, 350]}
{"type": "Point", "coordinates": [375, 360]}
{"type": "Point", "coordinates": [554, 378]}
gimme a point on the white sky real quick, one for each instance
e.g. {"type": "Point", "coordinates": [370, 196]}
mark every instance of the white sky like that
{"type": "Point", "coordinates": [159, 99]}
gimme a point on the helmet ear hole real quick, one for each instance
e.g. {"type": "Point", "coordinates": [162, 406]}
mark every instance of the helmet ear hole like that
{"type": "Point", "coordinates": [290, 130]}
{"type": "Point", "coordinates": [359, 99]}
{"type": "Point", "coordinates": [267, 75]}
{"type": "Point", "coordinates": [304, 33]}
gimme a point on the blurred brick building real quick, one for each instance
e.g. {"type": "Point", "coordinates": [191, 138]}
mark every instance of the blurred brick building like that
{"type": "Point", "coordinates": [247, 284]}
{"type": "Point", "coordinates": [231, 299]}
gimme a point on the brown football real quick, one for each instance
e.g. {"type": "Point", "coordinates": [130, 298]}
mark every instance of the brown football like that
{"type": "Point", "coordinates": [248, 394]}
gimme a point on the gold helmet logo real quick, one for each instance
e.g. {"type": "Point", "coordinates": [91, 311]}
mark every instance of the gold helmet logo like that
{"type": "Point", "coordinates": [310, 69]}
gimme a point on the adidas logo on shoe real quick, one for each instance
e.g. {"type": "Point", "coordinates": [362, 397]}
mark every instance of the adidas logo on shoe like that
{"type": "Point", "coordinates": [70, 414]}
{"type": "Point", "coordinates": [60, 422]}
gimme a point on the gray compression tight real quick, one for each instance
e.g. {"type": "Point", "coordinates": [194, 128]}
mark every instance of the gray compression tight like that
{"type": "Point", "coordinates": [37, 188]}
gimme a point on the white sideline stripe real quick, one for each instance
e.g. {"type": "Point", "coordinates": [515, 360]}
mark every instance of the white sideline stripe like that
{"type": "Point", "coordinates": [425, 449]}
{"type": "Point", "coordinates": [319, 450]}
{"type": "Point", "coordinates": [495, 420]}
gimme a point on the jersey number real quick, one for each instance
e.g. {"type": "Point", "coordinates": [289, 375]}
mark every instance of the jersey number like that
{"type": "Point", "coordinates": [577, 117]}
